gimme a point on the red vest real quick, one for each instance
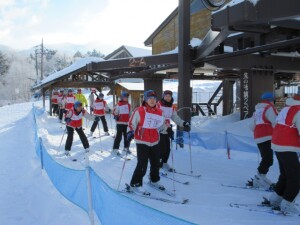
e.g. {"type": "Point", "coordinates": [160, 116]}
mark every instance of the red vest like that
{"type": "Point", "coordinates": [167, 112]}
{"type": "Point", "coordinates": [99, 107]}
{"type": "Point", "coordinates": [70, 100]}
{"type": "Point", "coordinates": [76, 119]}
{"type": "Point", "coordinates": [144, 131]}
{"type": "Point", "coordinates": [54, 98]}
{"type": "Point", "coordinates": [285, 132]}
{"type": "Point", "coordinates": [263, 127]}
{"type": "Point", "coordinates": [124, 111]}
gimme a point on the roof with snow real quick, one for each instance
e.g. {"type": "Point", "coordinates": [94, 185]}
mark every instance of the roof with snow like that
{"type": "Point", "coordinates": [126, 51]}
{"type": "Point", "coordinates": [133, 86]}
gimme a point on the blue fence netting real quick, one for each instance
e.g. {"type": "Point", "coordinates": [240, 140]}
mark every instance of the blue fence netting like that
{"type": "Point", "coordinates": [110, 206]}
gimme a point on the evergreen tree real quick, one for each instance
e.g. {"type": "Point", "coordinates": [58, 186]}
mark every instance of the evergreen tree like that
{"type": "Point", "coordinates": [4, 64]}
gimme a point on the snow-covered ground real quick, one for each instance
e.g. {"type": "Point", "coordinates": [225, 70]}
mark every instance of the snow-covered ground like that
{"type": "Point", "coordinates": [27, 196]}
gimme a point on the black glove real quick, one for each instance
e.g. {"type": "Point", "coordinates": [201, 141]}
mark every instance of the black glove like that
{"type": "Point", "coordinates": [67, 120]}
{"type": "Point", "coordinates": [116, 117]}
{"type": "Point", "coordinates": [170, 133]}
{"type": "Point", "coordinates": [97, 118]}
{"type": "Point", "coordinates": [130, 135]}
{"type": "Point", "coordinates": [109, 110]}
{"type": "Point", "coordinates": [187, 126]}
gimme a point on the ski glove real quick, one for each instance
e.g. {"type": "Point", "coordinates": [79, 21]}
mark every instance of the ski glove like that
{"type": "Point", "coordinates": [170, 133]}
{"type": "Point", "coordinates": [67, 120]}
{"type": "Point", "coordinates": [116, 118]}
{"type": "Point", "coordinates": [187, 126]}
{"type": "Point", "coordinates": [97, 118]}
{"type": "Point", "coordinates": [109, 110]}
{"type": "Point", "coordinates": [130, 135]}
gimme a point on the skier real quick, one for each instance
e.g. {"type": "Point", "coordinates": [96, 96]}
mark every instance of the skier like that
{"type": "Point", "coordinates": [168, 109]}
{"type": "Point", "coordinates": [74, 121]}
{"type": "Point", "coordinates": [121, 113]}
{"type": "Point", "coordinates": [100, 106]}
{"type": "Point", "coordinates": [144, 124]}
{"type": "Point", "coordinates": [60, 99]}
{"type": "Point", "coordinates": [54, 103]}
{"type": "Point", "coordinates": [286, 144]}
{"type": "Point", "coordinates": [69, 100]}
{"type": "Point", "coordinates": [264, 120]}
{"type": "Point", "coordinates": [80, 97]}
{"type": "Point", "coordinates": [92, 99]}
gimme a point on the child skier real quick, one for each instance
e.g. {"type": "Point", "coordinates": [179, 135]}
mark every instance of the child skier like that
{"type": "Point", "coordinates": [74, 121]}
{"type": "Point", "coordinates": [100, 106]}
{"type": "Point", "coordinates": [168, 109]}
{"type": "Point", "coordinates": [264, 120]}
{"type": "Point", "coordinates": [144, 124]}
{"type": "Point", "coordinates": [121, 113]}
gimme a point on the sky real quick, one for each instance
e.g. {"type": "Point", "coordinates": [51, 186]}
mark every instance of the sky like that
{"type": "Point", "coordinates": [105, 23]}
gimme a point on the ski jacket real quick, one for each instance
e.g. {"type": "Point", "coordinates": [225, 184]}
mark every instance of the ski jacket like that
{"type": "Point", "coordinates": [146, 122]}
{"type": "Point", "coordinates": [286, 134]}
{"type": "Point", "coordinates": [69, 101]}
{"type": "Point", "coordinates": [54, 97]}
{"type": "Point", "coordinates": [100, 106]}
{"type": "Point", "coordinates": [264, 119]}
{"type": "Point", "coordinates": [60, 99]}
{"type": "Point", "coordinates": [82, 99]}
{"type": "Point", "coordinates": [122, 110]}
{"type": "Point", "coordinates": [76, 117]}
{"type": "Point", "coordinates": [169, 113]}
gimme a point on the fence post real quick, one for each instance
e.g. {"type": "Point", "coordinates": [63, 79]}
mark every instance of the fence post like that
{"type": "Point", "coordinates": [89, 190]}
{"type": "Point", "coordinates": [227, 144]}
{"type": "Point", "coordinates": [41, 152]}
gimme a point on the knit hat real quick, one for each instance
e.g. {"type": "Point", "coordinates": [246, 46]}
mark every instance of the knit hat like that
{"type": "Point", "coordinates": [77, 104]}
{"type": "Point", "coordinates": [70, 90]}
{"type": "Point", "coordinates": [267, 96]}
{"type": "Point", "coordinates": [149, 94]}
{"type": "Point", "coordinates": [124, 94]}
{"type": "Point", "coordinates": [78, 90]}
{"type": "Point", "coordinates": [101, 95]}
{"type": "Point", "coordinates": [167, 92]}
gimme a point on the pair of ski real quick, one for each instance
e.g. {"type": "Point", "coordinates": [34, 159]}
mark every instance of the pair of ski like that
{"type": "Point", "coordinates": [149, 195]}
{"type": "Point", "coordinates": [165, 175]}
{"type": "Point", "coordinates": [263, 207]}
{"type": "Point", "coordinates": [247, 187]}
{"type": "Point", "coordinates": [184, 174]}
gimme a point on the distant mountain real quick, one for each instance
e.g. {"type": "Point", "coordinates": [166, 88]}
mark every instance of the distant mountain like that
{"type": "Point", "coordinates": [4, 48]}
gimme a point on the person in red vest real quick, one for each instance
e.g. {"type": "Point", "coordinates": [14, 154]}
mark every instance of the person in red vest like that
{"type": "Point", "coordinates": [264, 120]}
{"type": "Point", "coordinates": [54, 103]}
{"type": "Point", "coordinates": [60, 100]}
{"type": "Point", "coordinates": [286, 144]}
{"type": "Point", "coordinates": [69, 100]}
{"type": "Point", "coordinates": [169, 113]}
{"type": "Point", "coordinates": [121, 113]}
{"type": "Point", "coordinates": [145, 123]}
{"type": "Point", "coordinates": [74, 122]}
{"type": "Point", "coordinates": [100, 106]}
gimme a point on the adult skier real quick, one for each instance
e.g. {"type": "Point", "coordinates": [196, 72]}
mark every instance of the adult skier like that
{"type": "Point", "coordinates": [80, 97]}
{"type": "Point", "coordinates": [74, 122]}
{"type": "Point", "coordinates": [169, 113]}
{"type": "Point", "coordinates": [286, 144]}
{"type": "Point", "coordinates": [144, 124]}
{"type": "Point", "coordinates": [121, 113]}
{"type": "Point", "coordinates": [100, 106]}
{"type": "Point", "coordinates": [264, 120]}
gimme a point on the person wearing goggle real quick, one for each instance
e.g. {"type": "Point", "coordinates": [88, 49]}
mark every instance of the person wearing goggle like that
{"type": "Point", "coordinates": [74, 122]}
{"type": "Point", "coordinates": [145, 124]}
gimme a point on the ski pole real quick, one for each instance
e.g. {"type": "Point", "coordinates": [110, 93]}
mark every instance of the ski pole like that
{"type": "Point", "coordinates": [61, 140]}
{"type": "Point", "coordinates": [99, 136]}
{"type": "Point", "coordinates": [174, 190]}
{"type": "Point", "coordinates": [190, 152]}
{"type": "Point", "coordinates": [123, 167]}
{"type": "Point", "coordinates": [110, 122]}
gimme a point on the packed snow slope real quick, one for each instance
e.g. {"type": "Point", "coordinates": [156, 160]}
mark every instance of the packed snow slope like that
{"type": "Point", "coordinates": [28, 197]}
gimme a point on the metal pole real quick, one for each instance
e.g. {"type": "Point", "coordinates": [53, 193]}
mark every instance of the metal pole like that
{"type": "Point", "coordinates": [89, 191]}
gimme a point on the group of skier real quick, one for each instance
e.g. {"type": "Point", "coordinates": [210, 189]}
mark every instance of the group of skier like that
{"type": "Point", "coordinates": [281, 133]}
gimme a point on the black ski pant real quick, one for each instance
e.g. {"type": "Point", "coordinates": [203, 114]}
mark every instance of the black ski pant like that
{"type": "Point", "coordinates": [55, 109]}
{"type": "Point", "coordinates": [266, 153]}
{"type": "Point", "coordinates": [104, 123]}
{"type": "Point", "coordinates": [145, 153]}
{"type": "Point", "coordinates": [288, 183]}
{"type": "Point", "coordinates": [164, 146]}
{"type": "Point", "coordinates": [61, 113]}
{"type": "Point", "coordinates": [82, 137]}
{"type": "Point", "coordinates": [121, 130]}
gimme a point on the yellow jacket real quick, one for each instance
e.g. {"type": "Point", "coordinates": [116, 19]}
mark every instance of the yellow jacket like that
{"type": "Point", "coordinates": [82, 99]}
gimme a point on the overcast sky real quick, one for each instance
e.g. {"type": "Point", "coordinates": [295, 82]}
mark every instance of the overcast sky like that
{"type": "Point", "coordinates": [106, 23]}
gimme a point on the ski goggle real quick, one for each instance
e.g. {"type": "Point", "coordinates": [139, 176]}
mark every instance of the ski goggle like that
{"type": "Point", "coordinates": [168, 92]}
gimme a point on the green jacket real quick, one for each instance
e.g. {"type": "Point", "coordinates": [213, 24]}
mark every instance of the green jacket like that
{"type": "Point", "coordinates": [82, 99]}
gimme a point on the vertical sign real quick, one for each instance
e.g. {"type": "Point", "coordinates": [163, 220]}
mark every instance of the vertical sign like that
{"type": "Point", "coordinates": [245, 96]}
